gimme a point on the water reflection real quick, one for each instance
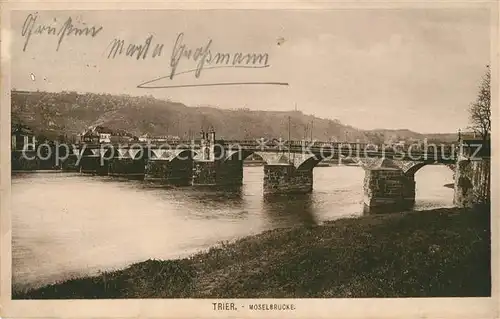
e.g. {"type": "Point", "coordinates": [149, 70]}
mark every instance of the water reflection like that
{"type": "Point", "coordinates": [289, 210]}
{"type": "Point", "coordinates": [216, 200]}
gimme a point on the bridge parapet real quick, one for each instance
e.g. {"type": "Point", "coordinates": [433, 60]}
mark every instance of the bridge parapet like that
{"type": "Point", "coordinates": [322, 149]}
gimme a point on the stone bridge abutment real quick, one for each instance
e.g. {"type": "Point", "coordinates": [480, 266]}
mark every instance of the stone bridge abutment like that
{"type": "Point", "coordinates": [472, 182]}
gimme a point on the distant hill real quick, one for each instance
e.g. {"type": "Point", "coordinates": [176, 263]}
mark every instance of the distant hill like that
{"type": "Point", "coordinates": [70, 113]}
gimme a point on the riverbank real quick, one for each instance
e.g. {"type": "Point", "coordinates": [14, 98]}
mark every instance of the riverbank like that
{"type": "Point", "coordinates": [442, 252]}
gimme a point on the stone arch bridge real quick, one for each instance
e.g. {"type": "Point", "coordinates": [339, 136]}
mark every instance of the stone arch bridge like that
{"type": "Point", "coordinates": [389, 173]}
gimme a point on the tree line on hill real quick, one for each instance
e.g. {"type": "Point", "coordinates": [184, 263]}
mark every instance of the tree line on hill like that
{"type": "Point", "coordinates": [63, 115]}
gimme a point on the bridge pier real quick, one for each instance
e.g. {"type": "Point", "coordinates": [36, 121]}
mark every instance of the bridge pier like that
{"type": "Point", "coordinates": [92, 164]}
{"type": "Point", "coordinates": [70, 164]}
{"type": "Point", "coordinates": [388, 189]}
{"type": "Point", "coordinates": [169, 172]}
{"type": "Point", "coordinates": [127, 167]}
{"type": "Point", "coordinates": [230, 172]}
{"type": "Point", "coordinates": [213, 166]}
{"type": "Point", "coordinates": [287, 179]}
{"type": "Point", "coordinates": [26, 161]}
{"type": "Point", "coordinates": [204, 173]}
{"type": "Point", "coordinates": [226, 173]}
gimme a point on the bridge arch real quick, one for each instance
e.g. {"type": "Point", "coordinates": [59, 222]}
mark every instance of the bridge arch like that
{"type": "Point", "coordinates": [414, 167]}
{"type": "Point", "coordinates": [309, 163]}
{"type": "Point", "coordinates": [301, 161]}
{"type": "Point", "coordinates": [138, 154]}
{"type": "Point", "coordinates": [313, 160]}
{"type": "Point", "coordinates": [87, 151]}
{"type": "Point", "coordinates": [171, 155]}
{"type": "Point", "coordinates": [255, 156]}
{"type": "Point", "coordinates": [434, 184]}
{"type": "Point", "coordinates": [111, 152]}
{"type": "Point", "coordinates": [238, 155]}
{"type": "Point", "coordinates": [267, 157]}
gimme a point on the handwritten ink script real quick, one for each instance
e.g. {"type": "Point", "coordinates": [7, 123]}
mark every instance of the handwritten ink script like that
{"type": "Point", "coordinates": [202, 56]}
{"type": "Point", "coordinates": [183, 59]}
{"type": "Point", "coordinates": [32, 28]}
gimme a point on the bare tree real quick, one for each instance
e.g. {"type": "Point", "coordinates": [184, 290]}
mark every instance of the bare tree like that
{"type": "Point", "coordinates": [480, 110]}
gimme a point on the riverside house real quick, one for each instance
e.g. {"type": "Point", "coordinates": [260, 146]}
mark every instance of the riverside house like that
{"type": "Point", "coordinates": [96, 134]}
{"type": "Point", "coordinates": [89, 137]}
{"type": "Point", "coordinates": [102, 134]}
{"type": "Point", "coordinates": [121, 136]}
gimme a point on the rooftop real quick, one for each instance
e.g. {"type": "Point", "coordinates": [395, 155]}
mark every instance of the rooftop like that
{"type": "Point", "coordinates": [21, 129]}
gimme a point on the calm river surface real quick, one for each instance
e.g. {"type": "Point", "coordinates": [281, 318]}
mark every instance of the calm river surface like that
{"type": "Point", "coordinates": [66, 225]}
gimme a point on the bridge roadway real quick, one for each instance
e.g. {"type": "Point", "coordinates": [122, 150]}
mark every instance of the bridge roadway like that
{"type": "Point", "coordinates": [444, 153]}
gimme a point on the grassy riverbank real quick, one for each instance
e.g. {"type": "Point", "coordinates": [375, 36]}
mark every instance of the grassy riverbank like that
{"type": "Point", "coordinates": [443, 252]}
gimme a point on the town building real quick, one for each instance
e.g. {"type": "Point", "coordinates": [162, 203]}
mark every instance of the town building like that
{"type": "Point", "coordinates": [90, 137]}
{"type": "Point", "coordinates": [97, 134]}
{"type": "Point", "coordinates": [122, 136]}
{"type": "Point", "coordinates": [104, 133]}
{"type": "Point", "coordinates": [147, 138]}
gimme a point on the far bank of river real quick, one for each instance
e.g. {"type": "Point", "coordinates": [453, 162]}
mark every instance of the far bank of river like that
{"type": "Point", "coordinates": [433, 253]}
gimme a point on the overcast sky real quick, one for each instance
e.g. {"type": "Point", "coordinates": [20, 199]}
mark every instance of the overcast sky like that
{"type": "Point", "coordinates": [408, 68]}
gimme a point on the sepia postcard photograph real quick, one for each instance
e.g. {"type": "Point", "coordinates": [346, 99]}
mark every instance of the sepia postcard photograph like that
{"type": "Point", "coordinates": [249, 162]}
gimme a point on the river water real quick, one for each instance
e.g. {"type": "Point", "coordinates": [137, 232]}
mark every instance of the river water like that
{"type": "Point", "coordinates": [66, 225]}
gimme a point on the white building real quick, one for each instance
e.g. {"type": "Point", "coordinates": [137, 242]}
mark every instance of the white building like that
{"type": "Point", "coordinates": [104, 137]}
{"type": "Point", "coordinates": [104, 134]}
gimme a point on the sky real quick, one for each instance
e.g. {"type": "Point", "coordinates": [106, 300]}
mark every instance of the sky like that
{"type": "Point", "coordinates": [414, 69]}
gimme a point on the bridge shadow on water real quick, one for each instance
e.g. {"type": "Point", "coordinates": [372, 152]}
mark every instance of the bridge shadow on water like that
{"type": "Point", "coordinates": [215, 202]}
{"type": "Point", "coordinates": [290, 210]}
{"type": "Point", "coordinates": [217, 195]}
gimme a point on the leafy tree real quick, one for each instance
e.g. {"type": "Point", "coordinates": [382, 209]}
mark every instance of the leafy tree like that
{"type": "Point", "coordinates": [480, 110]}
